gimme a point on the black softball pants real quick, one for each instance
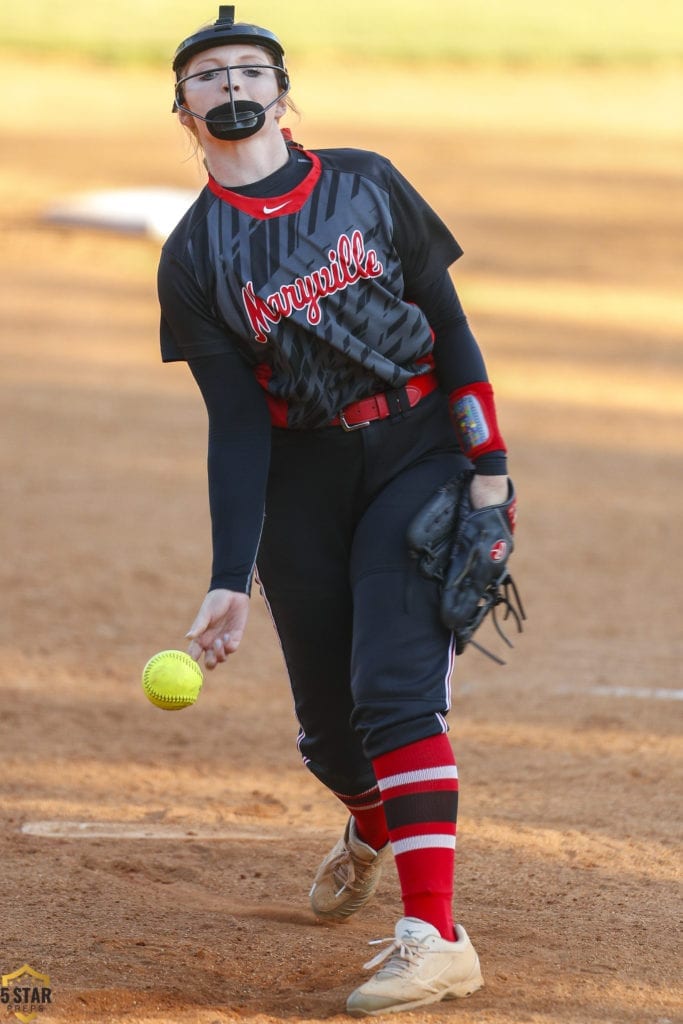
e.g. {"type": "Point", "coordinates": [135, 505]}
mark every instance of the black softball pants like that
{"type": "Point", "coordinates": [368, 658]}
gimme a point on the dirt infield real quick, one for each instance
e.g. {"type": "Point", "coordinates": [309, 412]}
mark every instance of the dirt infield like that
{"type": "Point", "coordinates": [173, 884]}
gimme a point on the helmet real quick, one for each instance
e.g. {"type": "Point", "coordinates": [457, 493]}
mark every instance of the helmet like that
{"type": "Point", "coordinates": [223, 31]}
{"type": "Point", "coordinates": [237, 119]}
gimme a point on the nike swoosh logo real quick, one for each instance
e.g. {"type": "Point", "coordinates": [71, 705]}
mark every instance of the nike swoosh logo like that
{"type": "Point", "coordinates": [274, 209]}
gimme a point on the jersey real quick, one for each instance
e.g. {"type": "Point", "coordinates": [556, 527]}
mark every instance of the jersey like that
{"type": "Point", "coordinates": [309, 285]}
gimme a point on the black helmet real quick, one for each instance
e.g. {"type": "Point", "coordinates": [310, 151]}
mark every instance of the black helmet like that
{"type": "Point", "coordinates": [236, 119]}
{"type": "Point", "coordinates": [223, 31]}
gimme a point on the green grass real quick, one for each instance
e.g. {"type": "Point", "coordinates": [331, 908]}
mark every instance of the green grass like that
{"type": "Point", "coordinates": [609, 32]}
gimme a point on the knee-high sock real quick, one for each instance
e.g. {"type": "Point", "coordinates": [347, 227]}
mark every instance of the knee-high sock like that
{"type": "Point", "coordinates": [368, 811]}
{"type": "Point", "coordinates": [419, 787]}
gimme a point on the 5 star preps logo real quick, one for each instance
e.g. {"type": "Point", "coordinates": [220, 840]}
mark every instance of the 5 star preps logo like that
{"type": "Point", "coordinates": [25, 994]}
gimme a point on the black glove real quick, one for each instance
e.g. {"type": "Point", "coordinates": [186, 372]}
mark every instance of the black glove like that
{"type": "Point", "coordinates": [467, 551]}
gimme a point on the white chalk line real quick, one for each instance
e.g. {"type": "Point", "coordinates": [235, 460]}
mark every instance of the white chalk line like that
{"type": "Point", "coordinates": [637, 692]}
{"type": "Point", "coordinates": [139, 830]}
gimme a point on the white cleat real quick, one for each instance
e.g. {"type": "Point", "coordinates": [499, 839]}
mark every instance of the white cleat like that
{"type": "Point", "coordinates": [419, 968]}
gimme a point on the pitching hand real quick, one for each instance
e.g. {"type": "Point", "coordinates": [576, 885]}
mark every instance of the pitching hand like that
{"type": "Point", "coordinates": [217, 630]}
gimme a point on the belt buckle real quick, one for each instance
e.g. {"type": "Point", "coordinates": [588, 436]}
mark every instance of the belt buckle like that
{"type": "Point", "coordinates": [348, 427]}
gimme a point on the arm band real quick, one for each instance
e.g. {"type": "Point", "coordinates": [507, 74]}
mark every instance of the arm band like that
{"type": "Point", "coordinates": [474, 414]}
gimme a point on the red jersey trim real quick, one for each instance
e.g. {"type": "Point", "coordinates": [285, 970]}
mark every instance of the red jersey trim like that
{"type": "Point", "coordinates": [277, 407]}
{"type": "Point", "coordinates": [272, 206]}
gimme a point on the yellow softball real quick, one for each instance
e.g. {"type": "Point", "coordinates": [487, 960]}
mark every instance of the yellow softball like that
{"type": "Point", "coordinates": [172, 680]}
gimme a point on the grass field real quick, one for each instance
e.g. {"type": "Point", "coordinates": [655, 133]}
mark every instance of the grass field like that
{"type": "Point", "coordinates": [496, 31]}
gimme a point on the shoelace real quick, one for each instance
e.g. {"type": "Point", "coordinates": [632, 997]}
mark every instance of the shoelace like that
{"type": "Point", "coordinates": [343, 871]}
{"type": "Point", "coordinates": [399, 954]}
{"type": "Point", "coordinates": [346, 870]}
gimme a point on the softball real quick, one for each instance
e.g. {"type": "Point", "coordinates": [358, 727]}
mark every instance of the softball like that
{"type": "Point", "coordinates": [172, 680]}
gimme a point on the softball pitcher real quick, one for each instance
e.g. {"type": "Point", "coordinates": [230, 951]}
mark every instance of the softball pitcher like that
{"type": "Point", "coordinates": [309, 293]}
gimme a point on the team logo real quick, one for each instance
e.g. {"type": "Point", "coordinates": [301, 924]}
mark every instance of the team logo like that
{"type": "Point", "coordinates": [498, 550]}
{"type": "Point", "coordinates": [25, 993]}
{"type": "Point", "coordinates": [274, 209]}
{"type": "Point", "coordinates": [348, 262]}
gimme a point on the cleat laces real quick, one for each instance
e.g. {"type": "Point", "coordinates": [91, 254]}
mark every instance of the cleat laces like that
{"type": "Point", "coordinates": [399, 957]}
{"type": "Point", "coordinates": [343, 871]}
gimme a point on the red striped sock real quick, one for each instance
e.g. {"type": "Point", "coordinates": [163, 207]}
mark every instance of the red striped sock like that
{"type": "Point", "coordinates": [419, 787]}
{"type": "Point", "coordinates": [368, 811]}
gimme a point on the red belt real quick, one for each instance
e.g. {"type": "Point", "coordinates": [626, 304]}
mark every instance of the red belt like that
{"type": "Point", "coordinates": [388, 403]}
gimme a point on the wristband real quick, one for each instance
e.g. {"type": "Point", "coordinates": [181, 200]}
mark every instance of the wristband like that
{"type": "Point", "coordinates": [473, 411]}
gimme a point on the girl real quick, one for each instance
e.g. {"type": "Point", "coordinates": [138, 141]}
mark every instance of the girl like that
{"type": "Point", "coordinates": [309, 293]}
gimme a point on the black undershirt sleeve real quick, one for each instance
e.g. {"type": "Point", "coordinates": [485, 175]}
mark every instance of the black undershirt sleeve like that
{"type": "Point", "coordinates": [426, 249]}
{"type": "Point", "coordinates": [238, 459]}
{"type": "Point", "coordinates": [239, 423]}
{"type": "Point", "coordinates": [457, 355]}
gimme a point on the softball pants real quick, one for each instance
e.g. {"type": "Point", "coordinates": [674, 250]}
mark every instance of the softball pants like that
{"type": "Point", "coordinates": [368, 658]}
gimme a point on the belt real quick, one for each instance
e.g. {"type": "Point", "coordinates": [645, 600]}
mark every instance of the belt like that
{"type": "Point", "coordinates": [388, 403]}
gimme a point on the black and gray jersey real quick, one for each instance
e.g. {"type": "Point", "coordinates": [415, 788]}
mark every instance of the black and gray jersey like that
{"type": "Point", "coordinates": [309, 285]}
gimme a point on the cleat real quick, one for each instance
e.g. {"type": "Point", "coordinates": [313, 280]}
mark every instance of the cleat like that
{"type": "Point", "coordinates": [419, 967]}
{"type": "Point", "coordinates": [347, 878]}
